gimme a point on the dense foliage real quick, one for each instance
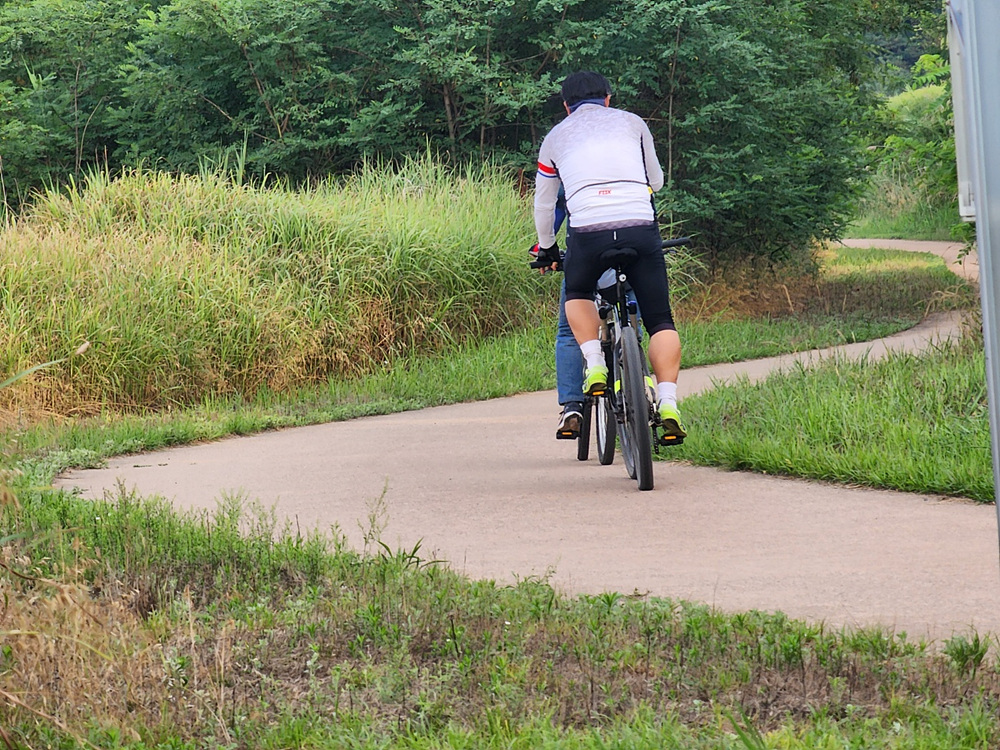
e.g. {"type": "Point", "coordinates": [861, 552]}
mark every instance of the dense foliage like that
{"type": "Point", "coordinates": [901, 31]}
{"type": "Point", "coordinates": [755, 105]}
{"type": "Point", "coordinates": [920, 135]}
{"type": "Point", "coordinates": [912, 190]}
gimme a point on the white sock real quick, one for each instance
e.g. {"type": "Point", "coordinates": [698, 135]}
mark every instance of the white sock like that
{"type": "Point", "coordinates": [592, 352]}
{"type": "Point", "coordinates": [667, 393]}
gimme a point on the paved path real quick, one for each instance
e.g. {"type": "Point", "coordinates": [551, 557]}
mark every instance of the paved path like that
{"type": "Point", "coordinates": [485, 487]}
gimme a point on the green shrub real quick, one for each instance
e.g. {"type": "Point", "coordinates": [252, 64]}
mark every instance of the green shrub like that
{"type": "Point", "coordinates": [755, 106]}
{"type": "Point", "coordinates": [913, 187]}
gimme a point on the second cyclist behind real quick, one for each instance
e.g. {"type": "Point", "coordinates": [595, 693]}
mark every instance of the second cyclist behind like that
{"type": "Point", "coordinates": [605, 160]}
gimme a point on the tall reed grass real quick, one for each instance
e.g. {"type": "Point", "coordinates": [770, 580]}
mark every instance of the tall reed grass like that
{"type": "Point", "coordinates": [189, 286]}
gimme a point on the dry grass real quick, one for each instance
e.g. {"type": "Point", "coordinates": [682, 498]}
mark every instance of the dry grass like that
{"type": "Point", "coordinates": [58, 643]}
{"type": "Point", "coordinates": [844, 283]}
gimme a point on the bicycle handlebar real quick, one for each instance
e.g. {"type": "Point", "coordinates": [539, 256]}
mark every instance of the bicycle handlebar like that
{"type": "Point", "coordinates": [543, 264]}
{"type": "Point", "coordinates": [676, 242]}
{"type": "Point", "coordinates": [667, 245]}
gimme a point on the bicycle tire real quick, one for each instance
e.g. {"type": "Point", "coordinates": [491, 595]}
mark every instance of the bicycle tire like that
{"type": "Point", "coordinates": [633, 393]}
{"type": "Point", "coordinates": [605, 429]}
{"type": "Point", "coordinates": [624, 436]}
{"type": "Point", "coordinates": [583, 439]}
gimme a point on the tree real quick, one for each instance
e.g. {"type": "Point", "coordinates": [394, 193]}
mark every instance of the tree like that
{"type": "Point", "coordinates": [207, 78]}
{"type": "Point", "coordinates": [756, 106]}
{"type": "Point", "coordinates": [55, 58]}
{"type": "Point", "coordinates": [467, 76]}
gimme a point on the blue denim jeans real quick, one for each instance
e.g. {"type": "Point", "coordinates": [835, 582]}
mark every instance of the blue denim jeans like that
{"type": "Point", "coordinates": [569, 361]}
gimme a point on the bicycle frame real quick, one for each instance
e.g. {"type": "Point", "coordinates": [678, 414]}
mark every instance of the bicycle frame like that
{"type": "Point", "coordinates": [629, 396]}
{"type": "Point", "coordinates": [632, 397]}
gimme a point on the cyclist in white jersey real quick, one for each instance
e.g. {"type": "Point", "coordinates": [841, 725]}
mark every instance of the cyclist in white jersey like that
{"type": "Point", "coordinates": [606, 162]}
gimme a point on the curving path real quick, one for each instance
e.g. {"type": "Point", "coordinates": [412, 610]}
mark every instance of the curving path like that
{"type": "Point", "coordinates": [487, 488]}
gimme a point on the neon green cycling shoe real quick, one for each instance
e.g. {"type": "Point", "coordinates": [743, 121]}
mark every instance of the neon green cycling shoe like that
{"type": "Point", "coordinates": [595, 383]}
{"type": "Point", "coordinates": [671, 432]}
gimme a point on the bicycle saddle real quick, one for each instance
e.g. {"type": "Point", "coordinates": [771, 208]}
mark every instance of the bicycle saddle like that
{"type": "Point", "coordinates": [618, 256]}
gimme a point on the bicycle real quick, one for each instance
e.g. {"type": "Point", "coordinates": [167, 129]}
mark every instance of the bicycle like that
{"type": "Point", "coordinates": [605, 426]}
{"type": "Point", "coordinates": [599, 413]}
{"type": "Point", "coordinates": [628, 408]}
{"type": "Point", "coordinates": [599, 408]}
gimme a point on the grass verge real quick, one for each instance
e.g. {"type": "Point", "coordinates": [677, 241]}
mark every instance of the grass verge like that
{"type": "Point", "coordinates": [911, 423]}
{"type": "Point", "coordinates": [223, 631]}
{"type": "Point", "coordinates": [921, 221]}
{"type": "Point", "coordinates": [498, 367]}
{"type": "Point", "coordinates": [194, 286]}
{"type": "Point", "coordinates": [897, 206]}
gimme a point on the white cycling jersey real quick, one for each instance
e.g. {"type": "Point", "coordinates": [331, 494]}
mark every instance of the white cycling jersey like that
{"type": "Point", "coordinates": [605, 159]}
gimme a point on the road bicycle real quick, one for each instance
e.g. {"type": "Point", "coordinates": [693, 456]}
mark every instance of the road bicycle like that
{"type": "Point", "coordinates": [627, 409]}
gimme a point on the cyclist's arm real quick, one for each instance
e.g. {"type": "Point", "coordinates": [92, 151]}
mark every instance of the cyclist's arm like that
{"type": "Point", "coordinates": [547, 185]}
{"type": "Point", "coordinates": [654, 172]}
{"type": "Point", "coordinates": [560, 210]}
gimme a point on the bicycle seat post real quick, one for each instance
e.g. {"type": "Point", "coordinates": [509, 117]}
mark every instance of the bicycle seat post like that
{"type": "Point", "coordinates": [617, 258]}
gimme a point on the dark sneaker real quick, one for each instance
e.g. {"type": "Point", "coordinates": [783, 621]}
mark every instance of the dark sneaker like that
{"type": "Point", "coordinates": [570, 421]}
{"type": "Point", "coordinates": [671, 432]}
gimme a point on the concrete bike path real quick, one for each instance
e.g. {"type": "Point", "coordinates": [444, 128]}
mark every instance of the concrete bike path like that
{"type": "Point", "coordinates": [487, 488]}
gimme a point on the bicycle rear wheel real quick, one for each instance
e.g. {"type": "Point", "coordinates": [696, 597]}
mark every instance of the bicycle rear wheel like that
{"type": "Point", "coordinates": [624, 435]}
{"type": "Point", "coordinates": [604, 426]}
{"type": "Point", "coordinates": [636, 435]}
{"type": "Point", "coordinates": [583, 441]}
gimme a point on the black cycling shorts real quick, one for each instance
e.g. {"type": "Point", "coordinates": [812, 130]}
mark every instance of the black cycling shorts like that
{"type": "Point", "coordinates": [647, 273]}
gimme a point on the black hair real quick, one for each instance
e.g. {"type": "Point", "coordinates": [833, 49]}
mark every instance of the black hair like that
{"type": "Point", "coordinates": [584, 84]}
